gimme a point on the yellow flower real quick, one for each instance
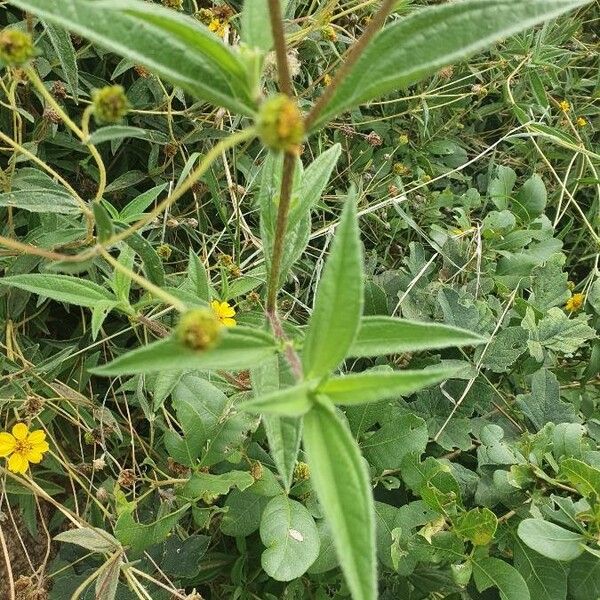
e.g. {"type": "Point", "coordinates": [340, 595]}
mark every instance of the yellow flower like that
{"type": "Point", "coordinates": [565, 106]}
{"type": "Point", "coordinates": [327, 79]}
{"type": "Point", "coordinates": [23, 447]}
{"type": "Point", "coordinates": [575, 302]}
{"type": "Point", "coordinates": [224, 312]}
{"type": "Point", "coordinates": [218, 27]}
{"type": "Point", "coordinates": [581, 122]}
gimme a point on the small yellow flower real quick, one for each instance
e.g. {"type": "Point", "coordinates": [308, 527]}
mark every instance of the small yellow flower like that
{"type": "Point", "coordinates": [224, 312]}
{"type": "Point", "coordinates": [23, 447]}
{"type": "Point", "coordinates": [575, 302]}
{"type": "Point", "coordinates": [582, 122]}
{"type": "Point", "coordinates": [218, 27]}
{"type": "Point", "coordinates": [327, 79]}
{"type": "Point", "coordinates": [565, 106]}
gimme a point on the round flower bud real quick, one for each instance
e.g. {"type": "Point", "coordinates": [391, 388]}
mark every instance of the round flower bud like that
{"type": "Point", "coordinates": [110, 104]}
{"type": "Point", "coordinates": [199, 329]}
{"type": "Point", "coordinates": [16, 47]}
{"type": "Point", "coordinates": [280, 124]}
{"type": "Point", "coordinates": [301, 471]}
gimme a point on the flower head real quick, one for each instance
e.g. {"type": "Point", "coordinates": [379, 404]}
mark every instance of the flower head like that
{"type": "Point", "coordinates": [199, 329]}
{"type": "Point", "coordinates": [224, 312]}
{"type": "Point", "coordinates": [582, 122]}
{"type": "Point", "coordinates": [16, 47]}
{"type": "Point", "coordinates": [280, 124]}
{"type": "Point", "coordinates": [110, 104]}
{"type": "Point", "coordinates": [565, 106]}
{"type": "Point", "coordinates": [575, 302]}
{"type": "Point", "coordinates": [22, 447]}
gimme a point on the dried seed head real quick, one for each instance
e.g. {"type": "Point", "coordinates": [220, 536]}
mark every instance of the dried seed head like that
{"type": "Point", "coordinates": [110, 104]}
{"type": "Point", "coordinates": [16, 47]}
{"type": "Point", "coordinates": [126, 478]}
{"type": "Point", "coordinates": [280, 124]}
{"type": "Point", "coordinates": [199, 329]}
{"type": "Point", "coordinates": [59, 90]}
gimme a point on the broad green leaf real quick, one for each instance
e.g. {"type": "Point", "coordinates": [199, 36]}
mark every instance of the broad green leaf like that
{"type": "Point", "coordinates": [90, 538]}
{"type": "Point", "coordinates": [212, 425]}
{"type": "Point", "coordinates": [430, 38]}
{"type": "Point", "coordinates": [398, 436]}
{"type": "Point", "coordinates": [118, 132]}
{"type": "Point", "coordinates": [209, 485]}
{"type": "Point", "coordinates": [287, 402]}
{"type": "Point", "coordinates": [61, 288]}
{"type": "Point", "coordinates": [545, 578]}
{"type": "Point", "coordinates": [168, 43]}
{"type": "Point", "coordinates": [584, 477]}
{"type": "Point", "coordinates": [139, 536]}
{"type": "Point", "coordinates": [387, 335]}
{"type": "Point", "coordinates": [256, 25]}
{"type": "Point", "coordinates": [41, 201]}
{"type": "Point", "coordinates": [361, 388]}
{"type": "Point", "coordinates": [543, 405]}
{"type": "Point", "coordinates": [335, 319]}
{"type": "Point", "coordinates": [61, 41]}
{"type": "Point", "coordinates": [244, 511]}
{"type": "Point", "coordinates": [584, 578]}
{"type": "Point", "coordinates": [501, 187]}
{"type": "Point", "coordinates": [341, 481]}
{"type": "Point", "coordinates": [240, 348]}
{"type": "Point", "coordinates": [531, 200]}
{"type": "Point", "coordinates": [290, 536]}
{"type": "Point", "coordinates": [477, 525]}
{"type": "Point", "coordinates": [550, 540]}
{"type": "Point", "coordinates": [493, 572]}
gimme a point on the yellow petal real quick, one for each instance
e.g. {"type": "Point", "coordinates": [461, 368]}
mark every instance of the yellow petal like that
{"type": "Point", "coordinates": [34, 457]}
{"type": "Point", "coordinates": [226, 310]}
{"type": "Point", "coordinates": [20, 431]}
{"type": "Point", "coordinates": [229, 322]}
{"type": "Point", "coordinates": [215, 305]}
{"type": "Point", "coordinates": [7, 443]}
{"type": "Point", "coordinates": [40, 447]}
{"type": "Point", "coordinates": [36, 437]}
{"type": "Point", "coordinates": [17, 463]}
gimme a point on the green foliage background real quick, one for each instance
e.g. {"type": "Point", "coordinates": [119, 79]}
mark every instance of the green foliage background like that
{"type": "Point", "coordinates": [477, 198]}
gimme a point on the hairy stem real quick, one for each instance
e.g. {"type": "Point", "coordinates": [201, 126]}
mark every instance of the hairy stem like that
{"type": "Point", "coordinates": [283, 71]}
{"type": "Point", "coordinates": [349, 59]}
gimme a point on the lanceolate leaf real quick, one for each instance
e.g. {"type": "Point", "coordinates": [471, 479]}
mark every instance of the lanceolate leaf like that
{"type": "Point", "coordinates": [362, 388]}
{"type": "Point", "coordinates": [291, 402]}
{"type": "Point", "coordinates": [338, 305]}
{"type": "Point", "coordinates": [387, 335]}
{"type": "Point", "coordinates": [412, 48]}
{"type": "Point", "coordinates": [342, 484]}
{"type": "Point", "coordinates": [171, 45]}
{"type": "Point", "coordinates": [240, 348]}
{"type": "Point", "coordinates": [61, 288]}
{"type": "Point", "coordinates": [63, 47]}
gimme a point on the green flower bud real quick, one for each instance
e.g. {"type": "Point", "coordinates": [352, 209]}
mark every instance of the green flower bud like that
{"type": "Point", "coordinates": [280, 124]}
{"type": "Point", "coordinates": [16, 47]}
{"type": "Point", "coordinates": [110, 104]}
{"type": "Point", "coordinates": [199, 329]}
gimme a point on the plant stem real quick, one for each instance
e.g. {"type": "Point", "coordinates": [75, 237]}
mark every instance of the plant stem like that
{"type": "Point", "coordinates": [283, 71]}
{"type": "Point", "coordinates": [349, 60]}
{"type": "Point", "coordinates": [287, 179]}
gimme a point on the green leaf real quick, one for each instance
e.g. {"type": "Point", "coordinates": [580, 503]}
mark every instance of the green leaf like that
{"type": "Point", "coordinates": [430, 38]}
{"type": "Point", "coordinates": [41, 201]}
{"type": "Point", "coordinates": [531, 200]}
{"type": "Point", "coordinates": [398, 436]}
{"type": "Point", "coordinates": [244, 510]}
{"type": "Point", "coordinates": [168, 43]}
{"type": "Point", "coordinates": [477, 525]}
{"type": "Point", "coordinates": [493, 572]}
{"type": "Point", "coordinates": [584, 578]}
{"type": "Point", "coordinates": [361, 388]}
{"type": "Point", "coordinates": [216, 485]}
{"type": "Point", "coordinates": [550, 540]}
{"type": "Point", "coordinates": [341, 481]}
{"type": "Point", "coordinates": [240, 348]}
{"type": "Point", "coordinates": [104, 225]}
{"type": "Point", "coordinates": [198, 277]}
{"type": "Point", "coordinates": [335, 319]}
{"type": "Point", "coordinates": [135, 209]}
{"type": "Point", "coordinates": [545, 578]}
{"type": "Point", "coordinates": [544, 405]}
{"type": "Point", "coordinates": [387, 335]}
{"type": "Point", "coordinates": [61, 288]}
{"type": "Point", "coordinates": [585, 478]}
{"type": "Point", "coordinates": [291, 538]}
{"type": "Point", "coordinates": [90, 538]}
{"type": "Point", "coordinates": [108, 580]}
{"type": "Point", "coordinates": [118, 132]}
{"type": "Point", "coordinates": [61, 41]}
{"type": "Point", "coordinates": [256, 25]}
{"type": "Point", "coordinates": [501, 187]}
{"type": "Point", "coordinates": [153, 266]}
{"type": "Point", "coordinates": [287, 402]}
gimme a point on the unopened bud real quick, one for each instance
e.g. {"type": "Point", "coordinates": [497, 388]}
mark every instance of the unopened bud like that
{"type": "Point", "coordinates": [280, 124]}
{"type": "Point", "coordinates": [110, 104]}
{"type": "Point", "coordinates": [199, 329]}
{"type": "Point", "coordinates": [16, 47]}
